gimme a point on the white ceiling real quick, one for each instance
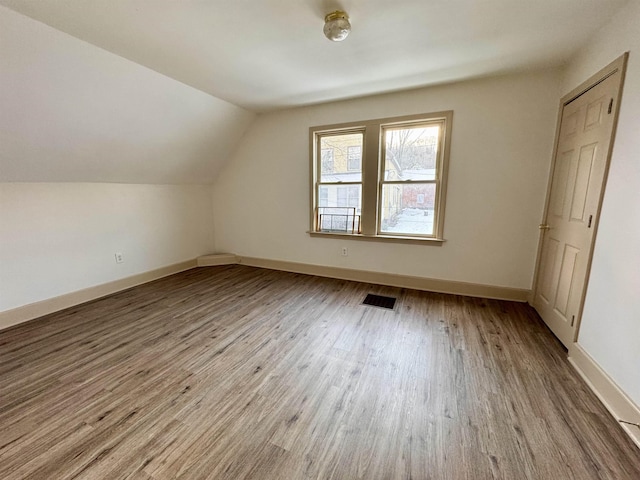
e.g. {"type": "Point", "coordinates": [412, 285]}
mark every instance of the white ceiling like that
{"type": "Point", "coordinates": [268, 54]}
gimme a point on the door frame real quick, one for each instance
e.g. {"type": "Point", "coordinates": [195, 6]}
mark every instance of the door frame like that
{"type": "Point", "coordinates": [618, 65]}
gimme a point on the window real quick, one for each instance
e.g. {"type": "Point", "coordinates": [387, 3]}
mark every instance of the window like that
{"type": "Point", "coordinates": [381, 178]}
{"type": "Point", "coordinates": [338, 188]}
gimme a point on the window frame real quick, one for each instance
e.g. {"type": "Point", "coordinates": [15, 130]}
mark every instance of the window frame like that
{"type": "Point", "coordinates": [318, 183]}
{"type": "Point", "coordinates": [382, 181]}
{"type": "Point", "coordinates": [372, 168]}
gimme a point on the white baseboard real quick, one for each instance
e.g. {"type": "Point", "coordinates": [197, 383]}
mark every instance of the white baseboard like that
{"type": "Point", "coordinates": [217, 259]}
{"type": "Point", "coordinates": [609, 393]}
{"type": "Point", "coordinates": [25, 313]}
{"type": "Point", "coordinates": [393, 280]}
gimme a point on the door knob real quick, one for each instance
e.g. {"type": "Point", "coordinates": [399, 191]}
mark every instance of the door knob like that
{"type": "Point", "coordinates": [544, 226]}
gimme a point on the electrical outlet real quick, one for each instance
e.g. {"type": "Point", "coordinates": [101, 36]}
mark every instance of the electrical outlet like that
{"type": "Point", "coordinates": [119, 257]}
{"type": "Point", "coordinates": [345, 251]}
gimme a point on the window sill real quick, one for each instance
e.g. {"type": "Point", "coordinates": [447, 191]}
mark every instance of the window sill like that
{"type": "Point", "coordinates": [380, 238]}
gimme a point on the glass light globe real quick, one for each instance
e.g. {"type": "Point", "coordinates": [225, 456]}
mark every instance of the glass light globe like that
{"type": "Point", "coordinates": [336, 26]}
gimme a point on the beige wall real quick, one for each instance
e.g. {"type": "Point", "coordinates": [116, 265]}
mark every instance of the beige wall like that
{"type": "Point", "coordinates": [610, 329]}
{"type": "Point", "coordinates": [57, 238]}
{"type": "Point", "coordinates": [502, 144]}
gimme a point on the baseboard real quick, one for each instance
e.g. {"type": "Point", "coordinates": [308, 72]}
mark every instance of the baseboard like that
{"type": "Point", "coordinates": [610, 394]}
{"type": "Point", "coordinates": [217, 259]}
{"type": "Point", "coordinates": [393, 280]}
{"type": "Point", "coordinates": [25, 313]}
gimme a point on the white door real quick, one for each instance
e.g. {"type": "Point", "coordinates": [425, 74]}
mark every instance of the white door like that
{"type": "Point", "coordinates": [580, 167]}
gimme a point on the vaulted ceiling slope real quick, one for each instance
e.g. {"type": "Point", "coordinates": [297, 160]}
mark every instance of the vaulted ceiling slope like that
{"type": "Point", "coordinates": [271, 53]}
{"type": "Point", "coordinates": [72, 112]}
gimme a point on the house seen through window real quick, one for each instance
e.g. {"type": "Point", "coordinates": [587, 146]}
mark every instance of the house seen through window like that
{"type": "Point", "coordinates": [354, 157]}
{"type": "Point", "coordinates": [394, 187]}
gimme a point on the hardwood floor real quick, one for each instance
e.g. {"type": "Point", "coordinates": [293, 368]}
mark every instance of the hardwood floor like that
{"type": "Point", "coordinates": [241, 373]}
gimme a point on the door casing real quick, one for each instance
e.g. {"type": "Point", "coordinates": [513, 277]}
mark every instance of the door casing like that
{"type": "Point", "coordinates": [618, 65]}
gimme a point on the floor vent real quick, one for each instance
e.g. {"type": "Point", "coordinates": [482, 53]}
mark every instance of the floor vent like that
{"type": "Point", "coordinates": [379, 301]}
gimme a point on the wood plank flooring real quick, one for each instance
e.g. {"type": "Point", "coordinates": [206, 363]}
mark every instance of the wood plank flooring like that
{"type": "Point", "coordinates": [240, 373]}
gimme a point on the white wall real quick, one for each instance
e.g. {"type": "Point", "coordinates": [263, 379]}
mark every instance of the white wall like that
{"type": "Point", "coordinates": [57, 238]}
{"type": "Point", "coordinates": [503, 132]}
{"type": "Point", "coordinates": [610, 329]}
{"type": "Point", "coordinates": [72, 112]}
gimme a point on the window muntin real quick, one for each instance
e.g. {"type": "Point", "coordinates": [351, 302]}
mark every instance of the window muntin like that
{"type": "Point", "coordinates": [398, 191]}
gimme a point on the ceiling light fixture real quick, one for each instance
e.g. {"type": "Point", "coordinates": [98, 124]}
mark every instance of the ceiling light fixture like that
{"type": "Point", "coordinates": [336, 26]}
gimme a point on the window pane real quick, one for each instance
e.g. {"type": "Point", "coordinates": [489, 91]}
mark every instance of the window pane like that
{"type": "Point", "coordinates": [354, 158]}
{"type": "Point", "coordinates": [340, 196]}
{"type": "Point", "coordinates": [326, 160]}
{"type": "Point", "coordinates": [341, 158]}
{"type": "Point", "coordinates": [408, 209]}
{"type": "Point", "coordinates": [411, 152]}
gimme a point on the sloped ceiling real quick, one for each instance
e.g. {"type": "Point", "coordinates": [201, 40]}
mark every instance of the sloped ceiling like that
{"type": "Point", "coordinates": [265, 54]}
{"type": "Point", "coordinates": [71, 112]}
